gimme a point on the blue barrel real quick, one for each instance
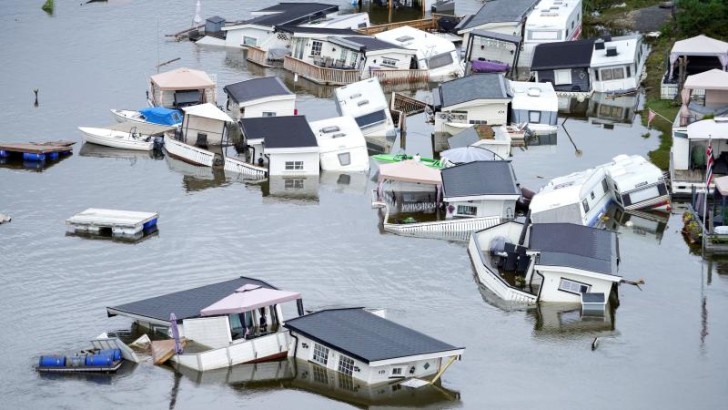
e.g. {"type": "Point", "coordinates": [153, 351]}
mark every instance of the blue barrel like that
{"type": "Point", "coordinates": [97, 360]}
{"type": "Point", "coordinates": [32, 156]}
{"type": "Point", "coordinates": [4, 154]}
{"type": "Point", "coordinates": [150, 224]}
{"type": "Point", "coordinates": [52, 361]}
{"type": "Point", "coordinates": [114, 354]}
{"type": "Point", "coordinates": [53, 155]}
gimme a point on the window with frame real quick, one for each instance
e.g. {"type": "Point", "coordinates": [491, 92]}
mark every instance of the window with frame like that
{"type": "Point", "coordinates": [562, 77]}
{"type": "Point", "coordinates": [294, 165]}
{"type": "Point", "coordinates": [585, 205]}
{"type": "Point", "coordinates": [346, 365]}
{"type": "Point", "coordinates": [289, 183]}
{"type": "Point", "coordinates": [534, 117]}
{"type": "Point", "coordinates": [316, 48]}
{"type": "Point", "coordinates": [397, 371]}
{"type": "Point", "coordinates": [440, 60]}
{"type": "Point", "coordinates": [320, 354]}
{"type": "Point", "coordinates": [572, 286]}
{"type": "Point", "coordinates": [467, 210]}
{"type": "Point", "coordinates": [345, 158]}
{"type": "Point", "coordinates": [320, 375]}
{"type": "Point", "coordinates": [268, 114]}
{"type": "Point", "coordinates": [389, 62]}
{"type": "Point", "coordinates": [605, 185]}
{"type": "Point", "coordinates": [608, 74]}
{"type": "Point", "coordinates": [629, 71]}
{"type": "Point", "coordinates": [250, 41]}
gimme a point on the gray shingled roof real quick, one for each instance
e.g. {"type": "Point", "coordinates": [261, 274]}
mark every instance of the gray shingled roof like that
{"type": "Point", "coordinates": [256, 88]}
{"type": "Point", "coordinates": [464, 138]}
{"type": "Point", "coordinates": [479, 178]}
{"type": "Point", "coordinates": [372, 43]}
{"type": "Point", "coordinates": [500, 11]}
{"type": "Point", "coordinates": [280, 132]}
{"type": "Point", "coordinates": [365, 336]}
{"type": "Point", "coordinates": [496, 36]}
{"type": "Point", "coordinates": [562, 54]}
{"type": "Point", "coordinates": [575, 246]}
{"type": "Point", "coordinates": [292, 13]}
{"type": "Point", "coordinates": [184, 304]}
{"type": "Point", "coordinates": [472, 87]}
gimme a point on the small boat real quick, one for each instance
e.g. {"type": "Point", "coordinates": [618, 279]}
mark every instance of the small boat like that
{"type": "Point", "coordinates": [117, 139]}
{"type": "Point", "coordinates": [149, 115]}
{"type": "Point", "coordinates": [106, 355]}
{"type": "Point", "coordinates": [390, 158]}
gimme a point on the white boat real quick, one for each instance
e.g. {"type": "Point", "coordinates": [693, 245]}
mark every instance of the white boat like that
{"type": "Point", "coordinates": [149, 115]}
{"type": "Point", "coordinates": [551, 262]}
{"type": "Point", "coordinates": [117, 139]}
{"type": "Point", "coordinates": [226, 323]}
{"type": "Point", "coordinates": [342, 146]}
{"type": "Point", "coordinates": [188, 153]}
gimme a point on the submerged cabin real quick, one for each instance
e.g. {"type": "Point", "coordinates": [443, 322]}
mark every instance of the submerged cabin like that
{"type": "Point", "coordinates": [368, 347]}
{"type": "Point", "coordinates": [475, 99]}
{"type": "Point", "coordinates": [491, 52]}
{"type": "Point", "coordinates": [504, 17]}
{"type": "Point", "coordinates": [259, 97]}
{"type": "Point", "coordinates": [435, 54]}
{"type": "Point", "coordinates": [564, 64]}
{"type": "Point", "coordinates": [205, 125]}
{"type": "Point", "coordinates": [180, 88]}
{"type": "Point", "coordinates": [286, 144]}
{"type": "Point", "coordinates": [549, 21]}
{"type": "Point", "coordinates": [365, 101]}
{"type": "Point", "coordinates": [617, 64]}
{"type": "Point", "coordinates": [480, 189]}
{"type": "Point", "coordinates": [342, 146]}
{"type": "Point", "coordinates": [227, 323]}
{"type": "Point", "coordinates": [534, 105]}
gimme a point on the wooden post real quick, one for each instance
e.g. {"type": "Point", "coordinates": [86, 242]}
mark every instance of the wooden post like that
{"type": "Point", "coordinates": [442, 370]}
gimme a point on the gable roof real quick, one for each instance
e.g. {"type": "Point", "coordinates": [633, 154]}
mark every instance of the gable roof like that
{"type": "Point", "coordinates": [575, 246]}
{"type": "Point", "coordinates": [184, 304]}
{"type": "Point", "coordinates": [500, 11]}
{"type": "Point", "coordinates": [700, 45]}
{"type": "Point", "coordinates": [182, 78]}
{"type": "Point", "coordinates": [256, 88]}
{"type": "Point", "coordinates": [479, 178]}
{"type": "Point", "coordinates": [280, 132]}
{"type": "Point", "coordinates": [365, 336]}
{"type": "Point", "coordinates": [714, 79]}
{"type": "Point", "coordinates": [365, 43]}
{"type": "Point", "coordinates": [410, 171]}
{"type": "Point", "coordinates": [472, 87]}
{"type": "Point", "coordinates": [207, 110]}
{"type": "Point", "coordinates": [291, 13]}
{"type": "Point", "coordinates": [563, 54]}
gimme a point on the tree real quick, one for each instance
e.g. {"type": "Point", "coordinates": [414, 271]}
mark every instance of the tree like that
{"type": "Point", "coordinates": [709, 17]}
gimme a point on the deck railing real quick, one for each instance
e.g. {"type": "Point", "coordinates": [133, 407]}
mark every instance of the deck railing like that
{"type": "Point", "coordinates": [257, 56]}
{"type": "Point", "coordinates": [409, 76]}
{"type": "Point", "coordinates": [422, 24]}
{"type": "Point", "coordinates": [407, 105]}
{"type": "Point", "coordinates": [453, 229]}
{"type": "Point", "coordinates": [321, 75]}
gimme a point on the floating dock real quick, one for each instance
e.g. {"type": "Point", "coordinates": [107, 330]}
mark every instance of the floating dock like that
{"type": "Point", "coordinates": [117, 223]}
{"type": "Point", "coordinates": [37, 151]}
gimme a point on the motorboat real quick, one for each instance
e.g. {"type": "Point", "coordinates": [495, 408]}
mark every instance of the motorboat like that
{"type": "Point", "coordinates": [131, 139]}
{"type": "Point", "coordinates": [149, 115]}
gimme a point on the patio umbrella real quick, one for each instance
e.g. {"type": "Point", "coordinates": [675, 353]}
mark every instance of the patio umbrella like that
{"type": "Point", "coordinates": [462, 155]}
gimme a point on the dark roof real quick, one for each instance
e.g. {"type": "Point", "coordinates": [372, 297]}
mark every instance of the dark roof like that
{"type": "Point", "coordinates": [575, 246]}
{"type": "Point", "coordinates": [497, 36]}
{"type": "Point", "coordinates": [215, 19]}
{"type": "Point", "coordinates": [464, 138]}
{"type": "Point", "coordinates": [372, 43]}
{"type": "Point", "coordinates": [472, 87]}
{"type": "Point", "coordinates": [256, 88]}
{"type": "Point", "coordinates": [280, 132]}
{"type": "Point", "coordinates": [318, 30]}
{"type": "Point", "coordinates": [562, 54]}
{"type": "Point", "coordinates": [479, 178]}
{"type": "Point", "coordinates": [500, 11]}
{"type": "Point", "coordinates": [292, 13]}
{"type": "Point", "coordinates": [184, 304]}
{"type": "Point", "coordinates": [365, 336]}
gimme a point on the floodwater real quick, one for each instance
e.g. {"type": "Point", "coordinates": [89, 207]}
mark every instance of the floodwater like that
{"type": "Point", "coordinates": [664, 347]}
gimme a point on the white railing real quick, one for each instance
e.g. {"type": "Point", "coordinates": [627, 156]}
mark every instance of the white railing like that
{"type": "Point", "coordinates": [247, 170]}
{"type": "Point", "coordinates": [453, 229]}
{"type": "Point", "coordinates": [187, 152]}
{"type": "Point", "coordinates": [241, 351]}
{"type": "Point", "coordinates": [492, 280]}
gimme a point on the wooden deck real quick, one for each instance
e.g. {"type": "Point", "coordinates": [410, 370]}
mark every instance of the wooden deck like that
{"type": "Point", "coordinates": [426, 24]}
{"type": "Point", "coordinates": [407, 105]}
{"type": "Point", "coordinates": [257, 56]}
{"type": "Point", "coordinates": [321, 75]}
{"type": "Point", "coordinates": [37, 147]}
{"type": "Point", "coordinates": [410, 76]}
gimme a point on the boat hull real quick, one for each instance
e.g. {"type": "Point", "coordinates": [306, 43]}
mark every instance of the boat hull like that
{"type": "Point", "coordinates": [116, 139]}
{"type": "Point", "coordinates": [188, 153]}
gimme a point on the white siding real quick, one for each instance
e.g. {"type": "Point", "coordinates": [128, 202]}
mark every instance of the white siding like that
{"type": "Point", "coordinates": [310, 163]}
{"type": "Point", "coordinates": [213, 332]}
{"type": "Point", "coordinates": [213, 128]}
{"type": "Point", "coordinates": [234, 38]}
{"type": "Point", "coordinates": [550, 287]}
{"type": "Point", "coordinates": [280, 107]}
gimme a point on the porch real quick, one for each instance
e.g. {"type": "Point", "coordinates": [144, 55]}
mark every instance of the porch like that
{"type": "Point", "coordinates": [321, 74]}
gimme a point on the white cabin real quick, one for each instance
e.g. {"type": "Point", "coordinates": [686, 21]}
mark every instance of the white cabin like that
{"type": "Point", "coordinates": [688, 154]}
{"type": "Point", "coordinates": [475, 99]}
{"type": "Point", "coordinates": [547, 262]}
{"type": "Point", "coordinates": [480, 189]}
{"type": "Point", "coordinates": [365, 101]}
{"type": "Point", "coordinates": [434, 53]}
{"type": "Point", "coordinates": [287, 145]}
{"type": "Point", "coordinates": [534, 105]}
{"type": "Point", "coordinates": [341, 145]}
{"type": "Point", "coordinates": [367, 347]}
{"type": "Point", "coordinates": [227, 323]}
{"type": "Point", "coordinates": [204, 125]}
{"type": "Point", "coordinates": [578, 198]}
{"type": "Point", "coordinates": [259, 97]}
{"type": "Point", "coordinates": [550, 21]}
{"type": "Point", "coordinates": [618, 64]}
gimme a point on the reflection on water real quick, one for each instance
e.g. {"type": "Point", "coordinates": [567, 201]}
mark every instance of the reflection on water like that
{"type": "Point", "coordinates": [302, 375]}
{"type": "Point", "coordinates": [570, 320]}
{"type": "Point", "coordinates": [103, 378]}
{"type": "Point", "coordinates": [303, 189]}
{"type": "Point", "coordinates": [343, 182]}
{"type": "Point", "coordinates": [100, 151]}
{"type": "Point", "coordinates": [105, 234]}
{"type": "Point", "coordinates": [650, 225]}
{"type": "Point", "coordinates": [17, 162]}
{"type": "Point", "coordinates": [608, 110]}
{"type": "Point", "coordinates": [196, 178]}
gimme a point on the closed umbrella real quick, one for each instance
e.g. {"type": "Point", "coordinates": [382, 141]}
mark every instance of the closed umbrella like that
{"type": "Point", "coordinates": [197, 20]}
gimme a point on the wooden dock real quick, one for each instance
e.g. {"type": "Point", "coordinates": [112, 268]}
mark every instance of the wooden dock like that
{"type": "Point", "coordinates": [36, 151]}
{"type": "Point", "coordinates": [115, 222]}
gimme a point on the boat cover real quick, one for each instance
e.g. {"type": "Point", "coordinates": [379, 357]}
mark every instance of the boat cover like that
{"type": "Point", "coordinates": [162, 115]}
{"type": "Point", "coordinates": [247, 298]}
{"type": "Point", "coordinates": [478, 66]}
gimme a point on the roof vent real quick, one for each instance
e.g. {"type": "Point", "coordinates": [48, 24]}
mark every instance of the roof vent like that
{"type": "Point", "coordinates": [611, 51]}
{"type": "Point", "coordinates": [403, 39]}
{"type": "Point", "coordinates": [599, 45]}
{"type": "Point", "coordinates": [362, 102]}
{"type": "Point", "coordinates": [534, 92]}
{"type": "Point", "coordinates": [357, 95]}
{"type": "Point", "coordinates": [332, 128]}
{"type": "Point", "coordinates": [338, 135]}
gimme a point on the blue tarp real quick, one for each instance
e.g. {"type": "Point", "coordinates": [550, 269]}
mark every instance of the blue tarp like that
{"type": "Point", "coordinates": [162, 115]}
